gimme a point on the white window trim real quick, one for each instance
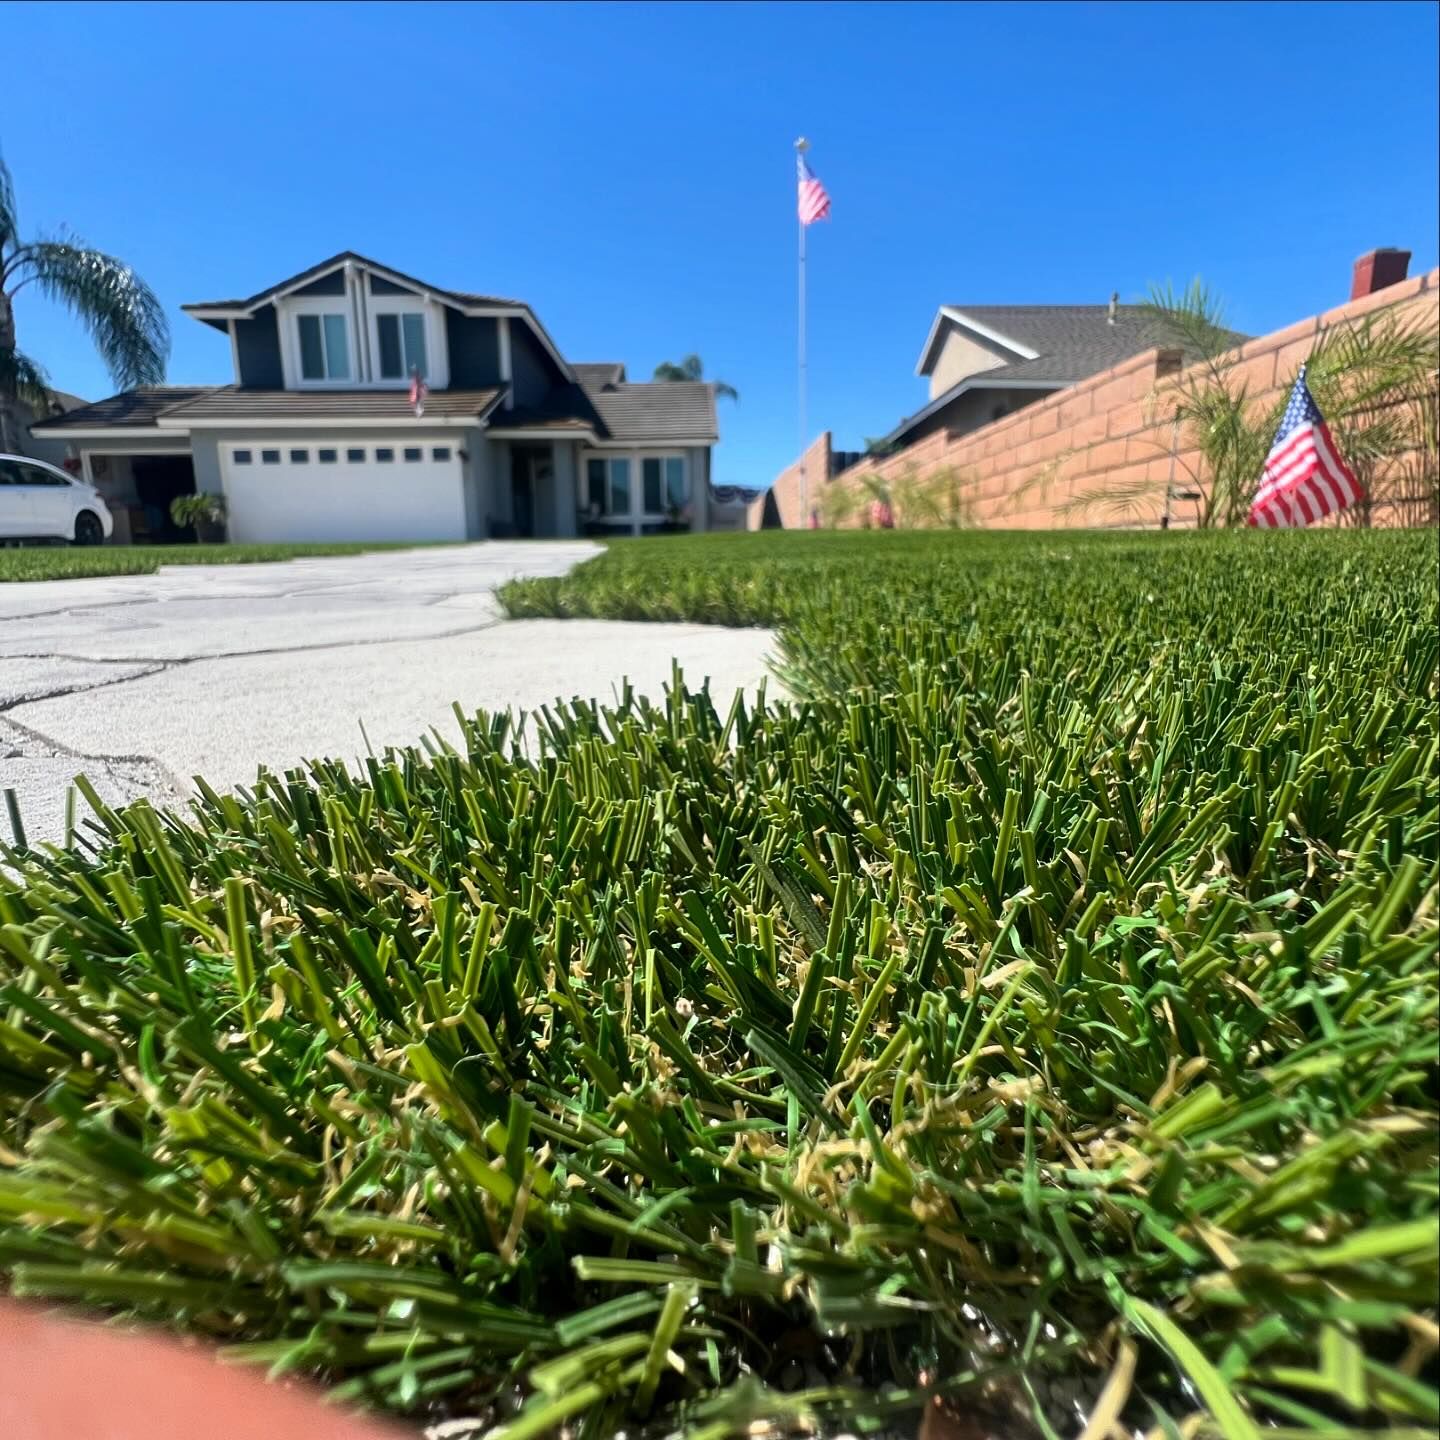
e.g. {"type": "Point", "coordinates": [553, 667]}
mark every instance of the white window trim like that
{"type": "Point", "coordinates": [637, 516]}
{"type": "Point", "coordinates": [288, 314]}
{"type": "Point", "coordinates": [436, 353]}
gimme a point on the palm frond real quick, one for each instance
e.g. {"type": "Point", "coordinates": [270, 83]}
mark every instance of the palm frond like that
{"type": "Point", "coordinates": [724, 390]}
{"type": "Point", "coordinates": [9, 218]}
{"type": "Point", "coordinates": [121, 312]}
{"type": "Point", "coordinates": [24, 379]}
{"type": "Point", "coordinates": [1195, 317]}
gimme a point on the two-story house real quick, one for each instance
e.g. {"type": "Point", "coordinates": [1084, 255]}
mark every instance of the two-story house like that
{"type": "Point", "coordinates": [317, 438]}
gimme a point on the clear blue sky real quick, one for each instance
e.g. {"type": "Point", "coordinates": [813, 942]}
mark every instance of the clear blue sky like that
{"type": "Point", "coordinates": [628, 169]}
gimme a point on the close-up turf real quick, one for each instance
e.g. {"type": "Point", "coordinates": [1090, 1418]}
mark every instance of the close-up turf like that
{"type": "Point", "coordinates": [1026, 1012]}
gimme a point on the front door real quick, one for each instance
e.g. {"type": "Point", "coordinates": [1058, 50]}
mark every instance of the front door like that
{"type": "Point", "coordinates": [522, 494]}
{"type": "Point", "coordinates": [532, 472]}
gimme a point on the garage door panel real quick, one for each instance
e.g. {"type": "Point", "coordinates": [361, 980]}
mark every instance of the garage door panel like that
{"type": "Point", "coordinates": [288, 493]}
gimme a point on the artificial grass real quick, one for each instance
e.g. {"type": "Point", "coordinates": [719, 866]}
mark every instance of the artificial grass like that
{"type": "Point", "coordinates": [1040, 1013]}
{"type": "Point", "coordinates": [74, 562]}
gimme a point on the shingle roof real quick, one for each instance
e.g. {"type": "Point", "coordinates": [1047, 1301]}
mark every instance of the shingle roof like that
{"type": "Point", "coordinates": [230, 402]}
{"type": "Point", "coordinates": [1073, 341]}
{"type": "Point", "coordinates": [598, 372]}
{"type": "Point", "coordinates": [656, 410]}
{"type": "Point", "coordinates": [462, 297]}
{"type": "Point", "coordinates": [649, 412]}
{"type": "Point", "coordinates": [130, 407]}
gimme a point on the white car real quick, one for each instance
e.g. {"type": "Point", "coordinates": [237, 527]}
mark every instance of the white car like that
{"type": "Point", "coordinates": [41, 502]}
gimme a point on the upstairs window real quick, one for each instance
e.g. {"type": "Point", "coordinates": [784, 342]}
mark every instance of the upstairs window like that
{"type": "Point", "coordinates": [402, 345]}
{"type": "Point", "coordinates": [324, 347]}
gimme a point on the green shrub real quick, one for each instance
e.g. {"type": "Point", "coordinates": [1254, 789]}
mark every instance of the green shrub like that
{"type": "Point", "coordinates": [1047, 994]}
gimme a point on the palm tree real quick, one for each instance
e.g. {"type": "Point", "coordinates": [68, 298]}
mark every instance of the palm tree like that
{"type": "Point", "coordinates": [117, 307]}
{"type": "Point", "coordinates": [692, 368]}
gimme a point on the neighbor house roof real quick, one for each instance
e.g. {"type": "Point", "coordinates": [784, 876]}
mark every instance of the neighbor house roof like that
{"type": "Point", "coordinates": [1052, 347]}
{"type": "Point", "coordinates": [1063, 343]}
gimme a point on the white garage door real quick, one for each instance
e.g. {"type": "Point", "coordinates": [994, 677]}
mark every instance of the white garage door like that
{"type": "Point", "coordinates": [391, 489]}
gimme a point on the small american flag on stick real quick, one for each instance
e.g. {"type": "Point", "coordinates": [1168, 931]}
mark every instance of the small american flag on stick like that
{"type": "Point", "coordinates": [418, 391]}
{"type": "Point", "coordinates": [814, 203]}
{"type": "Point", "coordinates": [1304, 479]}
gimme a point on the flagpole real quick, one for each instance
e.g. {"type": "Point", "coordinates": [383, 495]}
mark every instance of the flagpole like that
{"type": "Point", "coordinates": [801, 145]}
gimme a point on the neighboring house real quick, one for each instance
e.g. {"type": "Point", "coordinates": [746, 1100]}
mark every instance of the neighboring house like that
{"type": "Point", "coordinates": [54, 450]}
{"type": "Point", "coordinates": [985, 361]}
{"type": "Point", "coordinates": [317, 439]}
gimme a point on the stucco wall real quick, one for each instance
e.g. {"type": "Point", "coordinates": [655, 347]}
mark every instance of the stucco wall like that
{"type": "Point", "coordinates": [961, 356]}
{"type": "Point", "coordinates": [1108, 437]}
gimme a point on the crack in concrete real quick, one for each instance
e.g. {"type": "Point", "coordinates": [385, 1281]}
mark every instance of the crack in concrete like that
{"type": "Point", "coordinates": [165, 662]}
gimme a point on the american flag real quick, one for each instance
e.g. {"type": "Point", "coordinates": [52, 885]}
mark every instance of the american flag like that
{"type": "Point", "coordinates": [814, 203]}
{"type": "Point", "coordinates": [418, 391]}
{"type": "Point", "coordinates": [1304, 478]}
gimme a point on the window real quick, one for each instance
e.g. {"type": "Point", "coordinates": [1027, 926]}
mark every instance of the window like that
{"type": "Point", "coordinates": [355, 457]}
{"type": "Point", "coordinates": [324, 347]}
{"type": "Point", "coordinates": [402, 345]}
{"type": "Point", "coordinates": [269, 457]}
{"type": "Point", "coordinates": [242, 457]}
{"type": "Point", "coordinates": [650, 473]}
{"type": "Point", "coordinates": [326, 457]}
{"type": "Point", "coordinates": [440, 453]}
{"type": "Point", "coordinates": [383, 455]}
{"type": "Point", "coordinates": [299, 457]}
{"type": "Point", "coordinates": [34, 475]}
{"type": "Point", "coordinates": [13, 472]}
{"type": "Point", "coordinates": [595, 486]}
{"type": "Point", "coordinates": [619, 498]}
{"type": "Point", "coordinates": [677, 483]}
{"type": "Point", "coordinates": [665, 484]}
{"type": "Point", "coordinates": [413, 453]}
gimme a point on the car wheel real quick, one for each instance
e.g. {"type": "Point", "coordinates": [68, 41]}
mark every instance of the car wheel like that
{"type": "Point", "coordinates": [88, 530]}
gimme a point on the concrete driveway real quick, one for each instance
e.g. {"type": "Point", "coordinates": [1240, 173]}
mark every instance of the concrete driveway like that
{"type": "Point", "coordinates": [142, 682]}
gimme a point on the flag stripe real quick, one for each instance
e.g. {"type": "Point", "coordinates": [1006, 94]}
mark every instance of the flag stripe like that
{"type": "Point", "coordinates": [1303, 480]}
{"type": "Point", "coordinates": [813, 202]}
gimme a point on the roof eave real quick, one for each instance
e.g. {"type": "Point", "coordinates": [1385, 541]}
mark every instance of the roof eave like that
{"type": "Point", "coordinates": [968, 322]}
{"type": "Point", "coordinates": [962, 387]}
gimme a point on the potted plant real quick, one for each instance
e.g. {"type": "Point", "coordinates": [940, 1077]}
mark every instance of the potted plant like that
{"type": "Point", "coordinates": [205, 514]}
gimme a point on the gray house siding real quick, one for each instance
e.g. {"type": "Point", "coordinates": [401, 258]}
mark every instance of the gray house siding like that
{"type": "Point", "coordinates": [379, 285]}
{"type": "Point", "coordinates": [532, 372]}
{"type": "Point", "coordinates": [566, 461]}
{"type": "Point", "coordinates": [205, 452]}
{"type": "Point", "coordinates": [257, 344]}
{"type": "Point", "coordinates": [474, 342]}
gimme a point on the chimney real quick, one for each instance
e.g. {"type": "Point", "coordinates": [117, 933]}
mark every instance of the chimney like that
{"type": "Point", "coordinates": [1377, 270]}
{"type": "Point", "coordinates": [1115, 303]}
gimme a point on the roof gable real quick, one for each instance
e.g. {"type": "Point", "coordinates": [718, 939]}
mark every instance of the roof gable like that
{"type": "Point", "coordinates": [307, 277]}
{"type": "Point", "coordinates": [220, 312]}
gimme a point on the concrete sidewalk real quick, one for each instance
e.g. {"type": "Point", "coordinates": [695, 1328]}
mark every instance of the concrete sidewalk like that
{"type": "Point", "coordinates": [142, 682]}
